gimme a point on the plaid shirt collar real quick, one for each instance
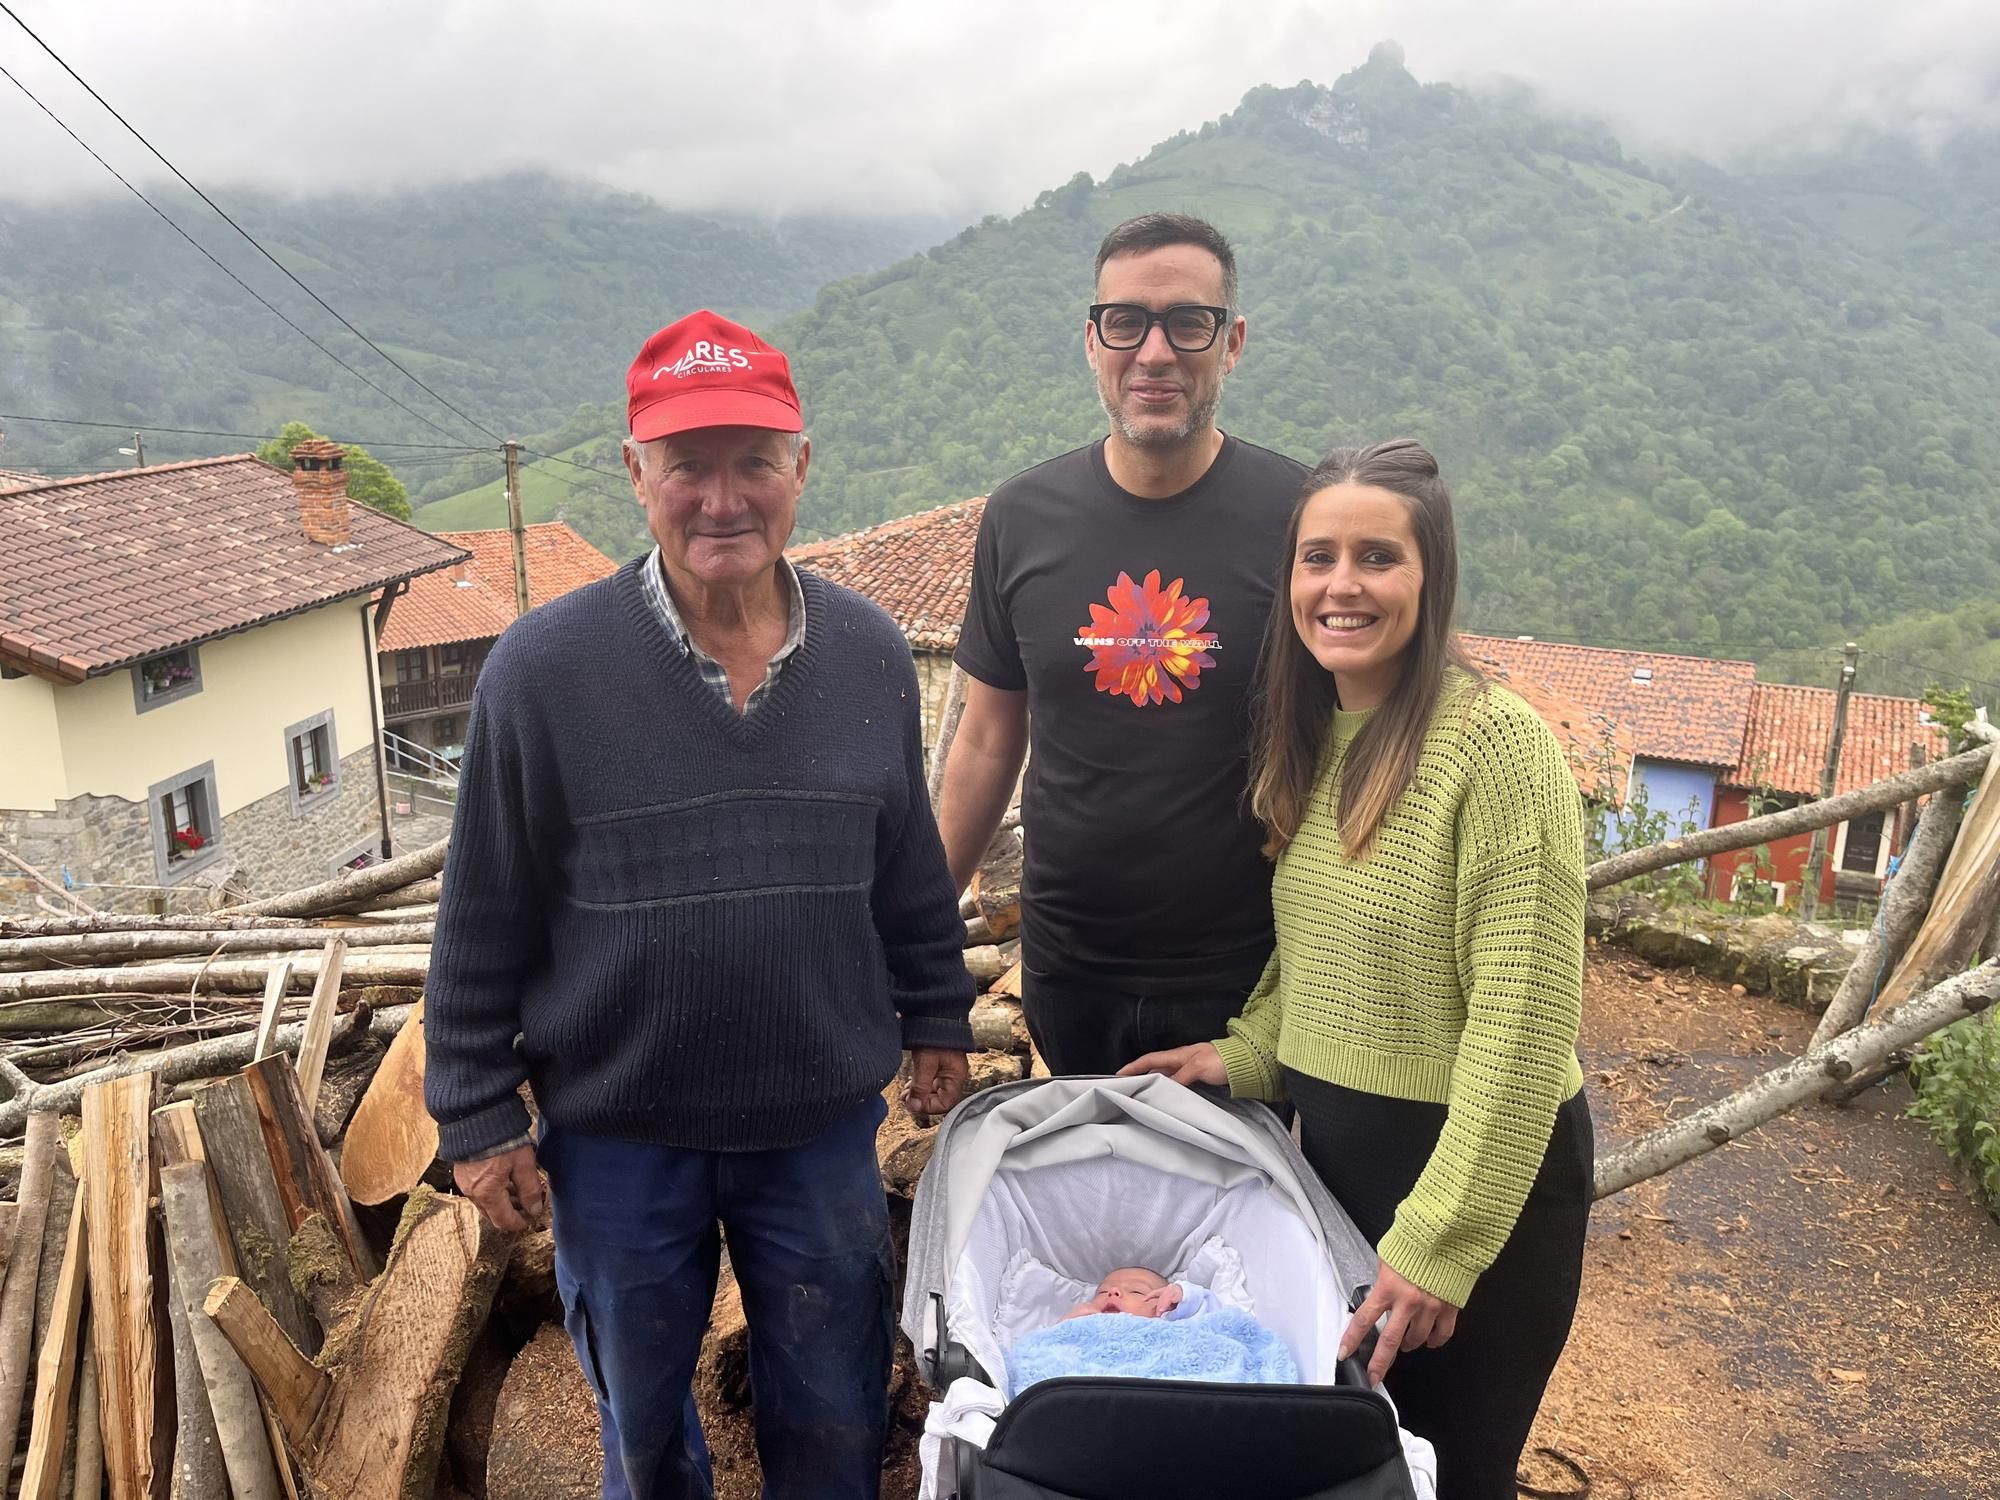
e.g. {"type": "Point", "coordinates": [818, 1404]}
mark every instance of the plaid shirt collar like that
{"type": "Point", "coordinates": [654, 577]}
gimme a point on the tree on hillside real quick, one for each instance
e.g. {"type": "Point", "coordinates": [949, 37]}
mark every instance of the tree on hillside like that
{"type": "Point", "coordinates": [368, 478]}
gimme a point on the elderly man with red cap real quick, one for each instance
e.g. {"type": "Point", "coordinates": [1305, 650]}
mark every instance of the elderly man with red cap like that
{"type": "Point", "coordinates": [697, 900]}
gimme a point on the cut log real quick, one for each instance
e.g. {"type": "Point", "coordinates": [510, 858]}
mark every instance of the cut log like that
{"type": "Point", "coordinates": [198, 1250]}
{"type": "Point", "coordinates": [259, 1228]}
{"type": "Point", "coordinates": [392, 1140]}
{"type": "Point", "coordinates": [307, 1181]}
{"type": "Point", "coordinates": [296, 1388]}
{"type": "Point", "coordinates": [1009, 983]}
{"type": "Point", "coordinates": [277, 979]}
{"type": "Point", "coordinates": [117, 947]}
{"type": "Point", "coordinates": [132, 1374]}
{"type": "Point", "coordinates": [55, 1372]}
{"type": "Point", "coordinates": [89, 1470]}
{"type": "Point", "coordinates": [468, 1431]}
{"type": "Point", "coordinates": [63, 1189]}
{"type": "Point", "coordinates": [1803, 1078]}
{"type": "Point", "coordinates": [371, 1425]}
{"type": "Point", "coordinates": [198, 1468]}
{"type": "Point", "coordinates": [340, 1090]}
{"type": "Point", "coordinates": [989, 1069]}
{"type": "Point", "coordinates": [230, 976]}
{"type": "Point", "coordinates": [24, 1268]}
{"type": "Point", "coordinates": [528, 1297]}
{"type": "Point", "coordinates": [396, 905]}
{"type": "Point", "coordinates": [545, 1443]}
{"type": "Point", "coordinates": [9, 1212]}
{"type": "Point", "coordinates": [1880, 797]}
{"type": "Point", "coordinates": [346, 890]}
{"type": "Point", "coordinates": [1967, 894]}
{"type": "Point", "coordinates": [997, 1025]}
{"type": "Point", "coordinates": [949, 718]}
{"type": "Point", "coordinates": [313, 1041]}
{"type": "Point", "coordinates": [203, 1059]}
{"type": "Point", "coordinates": [996, 885]}
{"type": "Point", "coordinates": [1904, 903]}
{"type": "Point", "coordinates": [983, 962]}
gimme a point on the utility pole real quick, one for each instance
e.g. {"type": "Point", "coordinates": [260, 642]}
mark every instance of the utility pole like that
{"type": "Point", "coordinates": [512, 449]}
{"type": "Point", "coordinates": [1816, 861]}
{"type": "Point", "coordinates": [139, 447]}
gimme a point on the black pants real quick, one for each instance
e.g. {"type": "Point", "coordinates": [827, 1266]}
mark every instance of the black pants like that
{"type": "Point", "coordinates": [1476, 1397]}
{"type": "Point", "coordinates": [1081, 1026]}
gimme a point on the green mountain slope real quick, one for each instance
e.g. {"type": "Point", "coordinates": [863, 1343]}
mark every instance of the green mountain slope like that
{"type": "Point", "coordinates": [1676, 406]}
{"type": "Point", "coordinates": [516, 298]}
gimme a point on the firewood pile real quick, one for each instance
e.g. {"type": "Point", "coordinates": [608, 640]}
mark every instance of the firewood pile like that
{"type": "Point", "coordinates": [233, 1265]}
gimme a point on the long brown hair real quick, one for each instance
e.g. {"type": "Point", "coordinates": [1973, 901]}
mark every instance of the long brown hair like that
{"type": "Point", "coordinates": [1295, 695]}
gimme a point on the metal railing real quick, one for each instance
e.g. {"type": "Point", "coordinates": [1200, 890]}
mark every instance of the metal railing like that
{"type": "Point", "coordinates": [407, 759]}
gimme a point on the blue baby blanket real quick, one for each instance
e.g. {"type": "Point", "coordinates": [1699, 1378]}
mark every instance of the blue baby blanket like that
{"type": "Point", "coordinates": [1226, 1345]}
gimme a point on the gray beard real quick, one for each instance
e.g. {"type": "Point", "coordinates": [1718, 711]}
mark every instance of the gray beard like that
{"type": "Point", "coordinates": [1200, 417]}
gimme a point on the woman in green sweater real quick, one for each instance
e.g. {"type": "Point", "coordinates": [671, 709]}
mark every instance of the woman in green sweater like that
{"type": "Point", "coordinates": [1421, 1009]}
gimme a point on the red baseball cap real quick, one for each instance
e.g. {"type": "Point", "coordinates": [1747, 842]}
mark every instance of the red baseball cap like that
{"type": "Point", "coordinates": [706, 371]}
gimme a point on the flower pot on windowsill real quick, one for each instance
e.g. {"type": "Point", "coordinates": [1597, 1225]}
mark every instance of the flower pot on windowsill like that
{"type": "Point", "coordinates": [185, 842]}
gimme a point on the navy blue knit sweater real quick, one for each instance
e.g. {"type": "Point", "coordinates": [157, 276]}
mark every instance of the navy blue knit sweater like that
{"type": "Point", "coordinates": [709, 930]}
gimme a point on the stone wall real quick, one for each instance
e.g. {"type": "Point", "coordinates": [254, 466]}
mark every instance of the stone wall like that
{"type": "Point", "coordinates": [106, 845]}
{"type": "Point", "coordinates": [274, 849]}
{"type": "Point", "coordinates": [933, 673]}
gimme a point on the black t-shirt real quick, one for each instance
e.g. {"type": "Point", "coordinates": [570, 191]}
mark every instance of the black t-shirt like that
{"type": "Point", "coordinates": [1134, 627]}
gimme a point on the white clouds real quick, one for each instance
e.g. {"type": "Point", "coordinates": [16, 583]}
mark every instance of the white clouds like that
{"type": "Point", "coordinates": [786, 105]}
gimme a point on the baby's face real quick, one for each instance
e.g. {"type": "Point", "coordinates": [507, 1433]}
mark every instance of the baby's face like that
{"type": "Point", "coordinates": [1125, 1290]}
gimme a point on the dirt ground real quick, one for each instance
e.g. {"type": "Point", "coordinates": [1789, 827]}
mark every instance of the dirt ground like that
{"type": "Point", "coordinates": [1811, 1311]}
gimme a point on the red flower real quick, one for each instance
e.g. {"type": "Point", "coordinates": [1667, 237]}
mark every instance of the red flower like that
{"type": "Point", "coordinates": [1150, 643]}
{"type": "Point", "coordinates": [188, 838]}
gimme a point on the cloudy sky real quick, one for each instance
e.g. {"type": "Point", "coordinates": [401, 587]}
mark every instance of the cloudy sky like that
{"type": "Point", "coordinates": [910, 105]}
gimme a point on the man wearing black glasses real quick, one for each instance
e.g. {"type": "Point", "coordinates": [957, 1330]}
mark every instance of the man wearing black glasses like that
{"type": "Point", "coordinates": [1118, 595]}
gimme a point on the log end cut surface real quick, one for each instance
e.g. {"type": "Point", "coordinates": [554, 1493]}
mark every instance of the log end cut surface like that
{"type": "Point", "coordinates": [545, 1432]}
{"type": "Point", "coordinates": [392, 1139]}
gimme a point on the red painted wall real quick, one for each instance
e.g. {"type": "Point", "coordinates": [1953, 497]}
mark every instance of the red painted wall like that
{"type": "Point", "coordinates": [1789, 856]}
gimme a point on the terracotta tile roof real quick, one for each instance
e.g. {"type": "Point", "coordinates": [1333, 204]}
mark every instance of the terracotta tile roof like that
{"type": "Point", "coordinates": [1598, 748]}
{"type": "Point", "coordinates": [1785, 747]}
{"type": "Point", "coordinates": [475, 600]}
{"type": "Point", "coordinates": [20, 479]}
{"type": "Point", "coordinates": [104, 569]}
{"type": "Point", "coordinates": [1683, 708]}
{"type": "Point", "coordinates": [918, 568]}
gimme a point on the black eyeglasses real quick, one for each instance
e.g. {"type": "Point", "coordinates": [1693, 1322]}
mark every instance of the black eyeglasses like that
{"type": "Point", "coordinates": [1190, 327]}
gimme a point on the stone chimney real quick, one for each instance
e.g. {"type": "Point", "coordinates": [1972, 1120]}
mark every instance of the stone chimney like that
{"type": "Point", "coordinates": [321, 481]}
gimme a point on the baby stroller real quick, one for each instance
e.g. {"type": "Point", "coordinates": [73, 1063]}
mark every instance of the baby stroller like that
{"type": "Point", "coordinates": [1035, 1187]}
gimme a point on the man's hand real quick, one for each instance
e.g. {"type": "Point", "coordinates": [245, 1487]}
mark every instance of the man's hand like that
{"type": "Point", "coordinates": [507, 1188]}
{"type": "Point", "coordinates": [1199, 1063]}
{"type": "Point", "coordinates": [1417, 1320]}
{"type": "Point", "coordinates": [937, 1080]}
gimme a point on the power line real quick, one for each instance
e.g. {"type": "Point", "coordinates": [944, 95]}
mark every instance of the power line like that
{"type": "Point", "coordinates": [272, 307]}
{"type": "Point", "coordinates": [261, 437]}
{"type": "Point", "coordinates": [217, 208]}
{"type": "Point", "coordinates": [1943, 673]}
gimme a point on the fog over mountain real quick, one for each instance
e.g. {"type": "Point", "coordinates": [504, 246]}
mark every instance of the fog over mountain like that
{"type": "Point", "coordinates": [910, 106]}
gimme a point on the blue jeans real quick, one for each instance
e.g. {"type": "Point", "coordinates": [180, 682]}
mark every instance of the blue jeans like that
{"type": "Point", "coordinates": [637, 1252]}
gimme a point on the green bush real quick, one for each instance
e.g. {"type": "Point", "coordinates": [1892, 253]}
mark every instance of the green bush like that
{"type": "Point", "coordinates": [1958, 1096]}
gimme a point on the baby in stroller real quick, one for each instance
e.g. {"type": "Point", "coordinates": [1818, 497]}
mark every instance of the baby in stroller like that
{"type": "Point", "coordinates": [1030, 1183]}
{"type": "Point", "coordinates": [1143, 1293]}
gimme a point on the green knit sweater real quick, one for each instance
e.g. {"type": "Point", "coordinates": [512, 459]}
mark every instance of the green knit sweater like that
{"type": "Point", "coordinates": [1446, 967]}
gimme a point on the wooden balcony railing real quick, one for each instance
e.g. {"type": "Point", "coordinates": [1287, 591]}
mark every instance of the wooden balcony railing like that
{"type": "Point", "coordinates": [402, 700]}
